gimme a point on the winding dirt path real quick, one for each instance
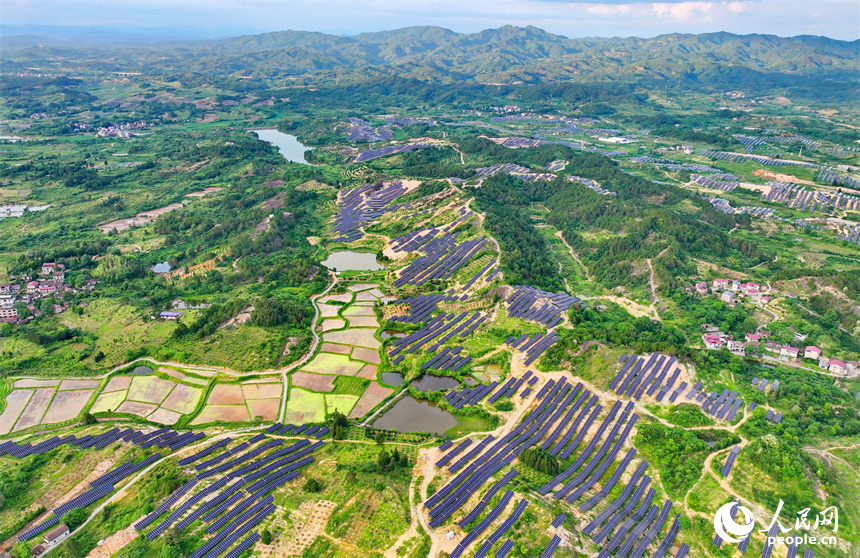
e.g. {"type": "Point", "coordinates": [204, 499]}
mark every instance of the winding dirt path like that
{"type": "Point", "coordinates": [560, 235]}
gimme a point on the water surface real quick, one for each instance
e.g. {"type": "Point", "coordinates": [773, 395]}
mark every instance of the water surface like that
{"type": "Point", "coordinates": [289, 146]}
{"type": "Point", "coordinates": [162, 267]}
{"type": "Point", "coordinates": [412, 415]}
{"type": "Point", "coordinates": [141, 371]}
{"type": "Point", "coordinates": [392, 333]}
{"type": "Point", "coordinates": [428, 383]}
{"type": "Point", "coordinates": [392, 378]}
{"type": "Point", "coordinates": [349, 260]}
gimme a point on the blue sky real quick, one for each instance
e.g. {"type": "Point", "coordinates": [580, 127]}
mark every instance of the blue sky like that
{"type": "Point", "coordinates": [836, 19]}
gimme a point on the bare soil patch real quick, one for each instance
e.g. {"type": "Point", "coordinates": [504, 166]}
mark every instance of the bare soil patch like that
{"type": "Point", "coordinates": [262, 391]}
{"type": "Point", "coordinates": [66, 405]}
{"type": "Point", "coordinates": [30, 383]}
{"type": "Point", "coordinates": [183, 399]}
{"type": "Point", "coordinates": [313, 382]}
{"type": "Point", "coordinates": [118, 383]}
{"type": "Point", "coordinates": [371, 397]}
{"type": "Point", "coordinates": [367, 355]}
{"type": "Point", "coordinates": [15, 403]}
{"type": "Point", "coordinates": [226, 413]}
{"type": "Point", "coordinates": [35, 409]}
{"type": "Point", "coordinates": [163, 416]}
{"type": "Point", "coordinates": [335, 348]}
{"type": "Point", "coordinates": [226, 394]}
{"type": "Point", "coordinates": [266, 408]}
{"type": "Point", "coordinates": [79, 384]}
{"type": "Point", "coordinates": [136, 408]}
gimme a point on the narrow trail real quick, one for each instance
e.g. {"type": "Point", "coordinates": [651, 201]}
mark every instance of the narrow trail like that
{"type": "Point", "coordinates": [588, 276]}
{"type": "Point", "coordinates": [311, 351]}
{"type": "Point", "coordinates": [822, 453]}
{"type": "Point", "coordinates": [652, 282]}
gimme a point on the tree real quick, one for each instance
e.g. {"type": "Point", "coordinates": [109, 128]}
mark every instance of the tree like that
{"type": "Point", "coordinates": [171, 537]}
{"type": "Point", "coordinates": [338, 423]}
{"type": "Point", "coordinates": [88, 419]}
{"type": "Point", "coordinates": [266, 536]}
{"type": "Point", "coordinates": [313, 485]}
{"type": "Point", "coordinates": [75, 518]}
{"type": "Point", "coordinates": [380, 437]}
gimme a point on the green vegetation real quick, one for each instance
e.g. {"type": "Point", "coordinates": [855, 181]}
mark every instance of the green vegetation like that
{"type": "Point", "coordinates": [679, 454]}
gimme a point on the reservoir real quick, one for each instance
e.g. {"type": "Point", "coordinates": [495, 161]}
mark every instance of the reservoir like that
{"type": "Point", "coordinates": [412, 415]}
{"type": "Point", "coordinates": [348, 260]}
{"type": "Point", "coordinates": [289, 146]}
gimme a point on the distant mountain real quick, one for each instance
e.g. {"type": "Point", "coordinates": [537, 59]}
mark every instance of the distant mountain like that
{"type": "Point", "coordinates": [527, 54]}
{"type": "Point", "coordinates": [505, 55]}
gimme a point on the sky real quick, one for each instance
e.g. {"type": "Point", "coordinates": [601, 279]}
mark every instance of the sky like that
{"type": "Point", "coordinates": [588, 18]}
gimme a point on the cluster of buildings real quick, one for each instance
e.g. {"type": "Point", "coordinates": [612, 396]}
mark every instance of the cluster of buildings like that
{"type": "Point", "coordinates": [730, 290]}
{"type": "Point", "coordinates": [121, 130]}
{"type": "Point", "coordinates": [685, 149]}
{"type": "Point", "coordinates": [715, 340]}
{"type": "Point", "coordinates": [52, 538]}
{"type": "Point", "coordinates": [51, 281]}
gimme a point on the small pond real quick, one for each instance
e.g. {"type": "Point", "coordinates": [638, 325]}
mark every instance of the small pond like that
{"type": "Point", "coordinates": [162, 267]}
{"type": "Point", "coordinates": [427, 383]}
{"type": "Point", "coordinates": [141, 371]}
{"type": "Point", "coordinates": [392, 378]}
{"type": "Point", "coordinates": [348, 260]}
{"type": "Point", "coordinates": [392, 333]}
{"type": "Point", "coordinates": [470, 381]}
{"type": "Point", "coordinates": [288, 145]}
{"type": "Point", "coordinates": [411, 415]}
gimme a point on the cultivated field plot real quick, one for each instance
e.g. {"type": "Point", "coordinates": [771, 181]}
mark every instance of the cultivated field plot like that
{"type": "Point", "coordinates": [224, 413]}
{"type": "Point", "coordinates": [362, 287]}
{"type": "Point", "coordinates": [334, 348]}
{"type": "Point", "coordinates": [358, 337]}
{"type": "Point", "coordinates": [136, 408]}
{"type": "Point", "coordinates": [304, 406]}
{"type": "Point", "coordinates": [15, 403]}
{"type": "Point", "coordinates": [108, 402]}
{"type": "Point", "coordinates": [359, 311]}
{"type": "Point", "coordinates": [163, 416]}
{"type": "Point", "coordinates": [79, 384]}
{"type": "Point", "coordinates": [328, 363]}
{"type": "Point", "coordinates": [226, 394]}
{"type": "Point", "coordinates": [180, 376]}
{"type": "Point", "coordinates": [266, 408]}
{"type": "Point", "coordinates": [368, 371]}
{"type": "Point", "coordinates": [328, 311]}
{"type": "Point", "coordinates": [150, 397]}
{"type": "Point", "coordinates": [183, 399]}
{"type": "Point", "coordinates": [313, 382]}
{"type": "Point", "coordinates": [29, 383]}
{"type": "Point", "coordinates": [35, 409]}
{"type": "Point", "coordinates": [343, 297]}
{"type": "Point", "coordinates": [362, 321]}
{"type": "Point", "coordinates": [66, 405]}
{"type": "Point", "coordinates": [372, 396]}
{"type": "Point", "coordinates": [339, 402]}
{"type": "Point", "coordinates": [333, 323]}
{"type": "Point", "coordinates": [40, 402]}
{"type": "Point", "coordinates": [118, 383]}
{"type": "Point", "coordinates": [367, 355]}
{"type": "Point", "coordinates": [262, 391]}
{"type": "Point", "coordinates": [149, 389]}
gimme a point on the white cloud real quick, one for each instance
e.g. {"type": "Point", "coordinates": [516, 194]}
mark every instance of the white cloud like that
{"type": "Point", "coordinates": [684, 11]}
